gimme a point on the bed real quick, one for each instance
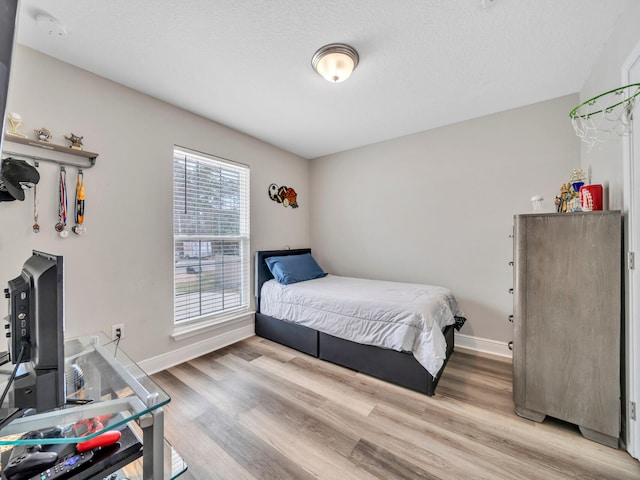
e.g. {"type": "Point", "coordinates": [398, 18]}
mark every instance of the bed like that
{"type": "Point", "coordinates": [391, 361]}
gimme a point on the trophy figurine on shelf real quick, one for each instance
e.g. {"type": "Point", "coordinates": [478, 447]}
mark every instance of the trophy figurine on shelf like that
{"type": "Point", "coordinates": [16, 121]}
{"type": "Point", "coordinates": [42, 134]}
{"type": "Point", "coordinates": [76, 141]}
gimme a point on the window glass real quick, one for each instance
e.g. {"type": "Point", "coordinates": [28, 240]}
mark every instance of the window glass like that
{"type": "Point", "coordinates": [211, 236]}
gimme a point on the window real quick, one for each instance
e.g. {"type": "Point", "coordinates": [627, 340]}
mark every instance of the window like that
{"type": "Point", "coordinates": [210, 237]}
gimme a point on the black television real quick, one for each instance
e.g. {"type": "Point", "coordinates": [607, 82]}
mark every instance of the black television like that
{"type": "Point", "coordinates": [36, 333]}
{"type": "Point", "coordinates": [8, 16]}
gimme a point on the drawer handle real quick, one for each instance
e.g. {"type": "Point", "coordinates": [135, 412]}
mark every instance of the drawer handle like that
{"type": "Point", "coordinates": [511, 318]}
{"type": "Point", "coordinates": [510, 345]}
{"type": "Point", "coordinates": [511, 291]}
{"type": "Point", "coordinates": [511, 264]}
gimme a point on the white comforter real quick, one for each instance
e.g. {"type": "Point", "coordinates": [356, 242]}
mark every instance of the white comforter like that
{"type": "Point", "coordinates": [400, 316]}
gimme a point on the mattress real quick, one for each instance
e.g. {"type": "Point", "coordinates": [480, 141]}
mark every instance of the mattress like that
{"type": "Point", "coordinates": [400, 316]}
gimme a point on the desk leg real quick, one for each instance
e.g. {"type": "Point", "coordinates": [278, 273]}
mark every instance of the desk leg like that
{"type": "Point", "coordinates": [153, 446]}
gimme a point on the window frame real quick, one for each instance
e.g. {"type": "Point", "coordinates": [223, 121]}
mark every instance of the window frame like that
{"type": "Point", "coordinates": [242, 239]}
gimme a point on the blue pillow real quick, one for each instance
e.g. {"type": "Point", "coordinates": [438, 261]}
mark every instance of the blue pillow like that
{"type": "Point", "coordinates": [294, 268]}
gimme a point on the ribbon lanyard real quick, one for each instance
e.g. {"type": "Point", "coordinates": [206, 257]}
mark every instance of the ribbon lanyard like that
{"type": "Point", "coordinates": [36, 227]}
{"type": "Point", "coordinates": [79, 229]}
{"type": "Point", "coordinates": [62, 204]}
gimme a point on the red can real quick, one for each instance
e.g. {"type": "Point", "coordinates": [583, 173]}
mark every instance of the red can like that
{"type": "Point", "coordinates": [591, 197]}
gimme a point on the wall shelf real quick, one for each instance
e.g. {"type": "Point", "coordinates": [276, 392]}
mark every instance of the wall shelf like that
{"type": "Point", "coordinates": [52, 147]}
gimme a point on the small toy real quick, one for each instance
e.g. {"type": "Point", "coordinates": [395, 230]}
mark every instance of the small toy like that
{"type": "Point", "coordinates": [76, 141]}
{"type": "Point", "coordinates": [568, 200]}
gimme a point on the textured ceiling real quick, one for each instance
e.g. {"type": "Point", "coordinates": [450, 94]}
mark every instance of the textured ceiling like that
{"type": "Point", "coordinates": [246, 63]}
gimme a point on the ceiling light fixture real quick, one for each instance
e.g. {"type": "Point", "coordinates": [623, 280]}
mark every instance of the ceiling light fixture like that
{"type": "Point", "coordinates": [335, 61]}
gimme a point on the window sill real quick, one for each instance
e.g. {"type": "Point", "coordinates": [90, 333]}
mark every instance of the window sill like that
{"type": "Point", "coordinates": [182, 332]}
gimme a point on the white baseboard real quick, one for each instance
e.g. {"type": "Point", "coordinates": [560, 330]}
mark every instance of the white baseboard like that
{"type": "Point", "coordinates": [484, 345]}
{"type": "Point", "coordinates": [175, 357]}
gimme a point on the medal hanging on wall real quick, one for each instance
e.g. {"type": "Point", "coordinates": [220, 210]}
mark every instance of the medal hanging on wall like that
{"type": "Point", "coordinates": [79, 228]}
{"type": "Point", "coordinates": [36, 227]}
{"type": "Point", "coordinates": [62, 204]}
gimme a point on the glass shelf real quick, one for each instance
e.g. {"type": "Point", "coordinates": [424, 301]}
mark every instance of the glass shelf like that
{"type": "Point", "coordinates": [105, 390]}
{"type": "Point", "coordinates": [114, 387]}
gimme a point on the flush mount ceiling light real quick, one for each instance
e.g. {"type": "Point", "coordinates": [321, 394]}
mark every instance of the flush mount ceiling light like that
{"type": "Point", "coordinates": [335, 61]}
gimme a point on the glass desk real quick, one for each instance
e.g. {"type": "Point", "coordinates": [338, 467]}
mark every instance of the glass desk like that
{"type": "Point", "coordinates": [102, 381]}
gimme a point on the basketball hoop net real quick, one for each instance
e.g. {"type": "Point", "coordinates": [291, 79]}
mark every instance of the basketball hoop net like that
{"type": "Point", "coordinates": [598, 119]}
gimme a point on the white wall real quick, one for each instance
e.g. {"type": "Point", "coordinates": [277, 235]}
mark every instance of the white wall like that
{"type": "Point", "coordinates": [121, 271]}
{"type": "Point", "coordinates": [605, 161]}
{"type": "Point", "coordinates": [437, 207]}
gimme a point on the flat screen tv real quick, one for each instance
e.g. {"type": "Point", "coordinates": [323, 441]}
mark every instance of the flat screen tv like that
{"type": "Point", "coordinates": [8, 15]}
{"type": "Point", "coordinates": [36, 332]}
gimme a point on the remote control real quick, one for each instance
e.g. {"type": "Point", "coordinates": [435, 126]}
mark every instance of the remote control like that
{"type": "Point", "coordinates": [26, 461]}
{"type": "Point", "coordinates": [61, 469]}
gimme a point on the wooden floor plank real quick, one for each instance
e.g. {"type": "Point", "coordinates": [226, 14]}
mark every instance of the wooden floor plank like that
{"type": "Point", "coordinates": [320, 456]}
{"type": "Point", "coordinates": [384, 464]}
{"type": "Point", "coordinates": [192, 441]}
{"type": "Point", "coordinates": [316, 383]}
{"type": "Point", "coordinates": [258, 410]}
{"type": "Point", "coordinates": [255, 456]}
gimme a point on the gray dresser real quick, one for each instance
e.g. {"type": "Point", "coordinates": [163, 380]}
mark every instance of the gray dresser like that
{"type": "Point", "coordinates": [567, 320]}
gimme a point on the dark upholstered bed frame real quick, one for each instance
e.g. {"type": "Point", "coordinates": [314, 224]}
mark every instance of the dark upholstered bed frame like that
{"type": "Point", "coordinates": [396, 367]}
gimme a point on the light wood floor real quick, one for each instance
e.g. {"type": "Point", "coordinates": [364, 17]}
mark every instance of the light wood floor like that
{"type": "Point", "coordinates": [258, 410]}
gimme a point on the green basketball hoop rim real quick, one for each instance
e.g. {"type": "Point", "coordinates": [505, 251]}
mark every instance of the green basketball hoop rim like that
{"type": "Point", "coordinates": [592, 101]}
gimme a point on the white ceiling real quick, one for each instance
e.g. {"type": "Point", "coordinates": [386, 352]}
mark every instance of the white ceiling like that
{"type": "Point", "coordinates": [247, 63]}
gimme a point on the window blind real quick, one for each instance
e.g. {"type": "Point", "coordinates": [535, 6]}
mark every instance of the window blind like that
{"type": "Point", "coordinates": [211, 236]}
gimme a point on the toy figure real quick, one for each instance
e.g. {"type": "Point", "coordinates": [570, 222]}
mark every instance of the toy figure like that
{"type": "Point", "coordinates": [76, 141]}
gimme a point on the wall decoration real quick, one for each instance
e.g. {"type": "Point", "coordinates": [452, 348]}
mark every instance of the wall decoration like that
{"type": "Point", "coordinates": [285, 195]}
{"type": "Point", "coordinates": [36, 227]}
{"type": "Point", "coordinates": [62, 204]}
{"type": "Point", "coordinates": [79, 228]}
